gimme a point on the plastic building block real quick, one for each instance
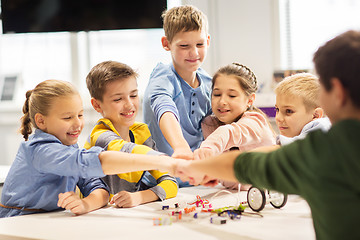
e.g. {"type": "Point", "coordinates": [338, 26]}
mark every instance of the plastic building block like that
{"type": "Point", "coordinates": [202, 215]}
{"type": "Point", "coordinates": [189, 210]}
{"type": "Point", "coordinates": [218, 220]}
{"type": "Point", "coordinates": [177, 214]}
{"type": "Point", "coordinates": [162, 221]}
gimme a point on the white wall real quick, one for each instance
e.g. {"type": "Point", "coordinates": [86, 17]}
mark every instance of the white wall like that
{"type": "Point", "coordinates": [244, 31]}
{"type": "Point", "coordinates": [9, 139]}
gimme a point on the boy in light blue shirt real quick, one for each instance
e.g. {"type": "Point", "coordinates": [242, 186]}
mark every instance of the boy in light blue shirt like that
{"type": "Point", "coordinates": [177, 97]}
{"type": "Point", "coordinates": [188, 105]}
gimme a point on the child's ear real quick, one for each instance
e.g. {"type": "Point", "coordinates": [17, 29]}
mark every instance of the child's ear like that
{"type": "Point", "coordinates": [40, 121]}
{"type": "Point", "coordinates": [251, 99]}
{"type": "Point", "coordinates": [165, 43]}
{"type": "Point", "coordinates": [96, 105]}
{"type": "Point", "coordinates": [208, 40]}
{"type": "Point", "coordinates": [340, 92]}
{"type": "Point", "coordinates": [318, 113]}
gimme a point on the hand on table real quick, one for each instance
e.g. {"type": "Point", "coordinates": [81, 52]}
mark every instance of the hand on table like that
{"type": "Point", "coordinates": [126, 199]}
{"type": "Point", "coordinates": [71, 201]}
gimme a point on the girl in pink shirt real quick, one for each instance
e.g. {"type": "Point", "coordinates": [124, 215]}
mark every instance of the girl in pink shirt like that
{"type": "Point", "coordinates": [236, 123]}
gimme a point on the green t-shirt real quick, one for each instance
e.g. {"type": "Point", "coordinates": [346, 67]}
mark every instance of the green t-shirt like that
{"type": "Point", "coordinates": [323, 168]}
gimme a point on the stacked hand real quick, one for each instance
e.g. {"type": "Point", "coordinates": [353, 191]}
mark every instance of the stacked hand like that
{"type": "Point", "coordinates": [203, 153]}
{"type": "Point", "coordinates": [184, 169]}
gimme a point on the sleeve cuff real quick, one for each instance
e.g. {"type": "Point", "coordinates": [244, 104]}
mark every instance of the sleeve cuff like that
{"type": "Point", "coordinates": [94, 168]}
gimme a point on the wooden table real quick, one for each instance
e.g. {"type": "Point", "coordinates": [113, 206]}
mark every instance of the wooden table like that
{"type": "Point", "coordinates": [293, 221]}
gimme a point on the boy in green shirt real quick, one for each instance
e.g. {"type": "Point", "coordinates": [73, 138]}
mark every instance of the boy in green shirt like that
{"type": "Point", "coordinates": [323, 168]}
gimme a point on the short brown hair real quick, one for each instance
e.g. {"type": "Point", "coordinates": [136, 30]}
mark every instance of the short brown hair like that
{"type": "Point", "coordinates": [303, 85]}
{"type": "Point", "coordinates": [183, 19]}
{"type": "Point", "coordinates": [340, 58]}
{"type": "Point", "coordinates": [105, 72]}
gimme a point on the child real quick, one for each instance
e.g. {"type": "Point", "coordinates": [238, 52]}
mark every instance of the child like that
{"type": "Point", "coordinates": [113, 88]}
{"type": "Point", "coordinates": [297, 107]}
{"type": "Point", "coordinates": [237, 122]}
{"type": "Point", "coordinates": [49, 164]}
{"type": "Point", "coordinates": [178, 95]}
{"type": "Point", "coordinates": [323, 167]}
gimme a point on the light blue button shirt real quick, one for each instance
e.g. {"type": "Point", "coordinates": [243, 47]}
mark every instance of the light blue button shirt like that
{"type": "Point", "coordinates": [168, 92]}
{"type": "Point", "coordinates": [43, 168]}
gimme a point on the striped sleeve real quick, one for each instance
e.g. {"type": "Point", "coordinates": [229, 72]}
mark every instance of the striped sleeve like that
{"type": "Point", "coordinates": [167, 186]}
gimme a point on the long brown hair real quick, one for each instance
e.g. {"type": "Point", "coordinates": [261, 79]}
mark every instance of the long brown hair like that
{"type": "Point", "coordinates": [340, 58]}
{"type": "Point", "coordinates": [245, 77]}
{"type": "Point", "coordinates": [247, 81]}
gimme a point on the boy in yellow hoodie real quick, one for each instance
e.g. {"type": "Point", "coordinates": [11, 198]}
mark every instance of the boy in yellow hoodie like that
{"type": "Point", "coordinates": [114, 94]}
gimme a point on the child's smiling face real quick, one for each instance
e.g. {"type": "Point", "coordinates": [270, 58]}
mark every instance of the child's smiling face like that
{"type": "Point", "coordinates": [291, 115]}
{"type": "Point", "coordinates": [64, 119]}
{"type": "Point", "coordinates": [120, 102]}
{"type": "Point", "coordinates": [188, 50]}
{"type": "Point", "coordinates": [228, 99]}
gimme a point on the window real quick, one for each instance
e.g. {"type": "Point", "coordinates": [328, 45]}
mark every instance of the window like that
{"type": "Point", "coordinates": [140, 49]}
{"type": "Point", "coordinates": [7, 88]}
{"type": "Point", "coordinates": [306, 24]}
{"type": "Point", "coordinates": [35, 57]}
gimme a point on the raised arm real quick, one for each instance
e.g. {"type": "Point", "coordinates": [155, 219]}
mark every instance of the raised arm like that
{"type": "Point", "coordinates": [251, 130]}
{"type": "Point", "coordinates": [221, 167]}
{"type": "Point", "coordinates": [171, 130]}
{"type": "Point", "coordinates": [114, 162]}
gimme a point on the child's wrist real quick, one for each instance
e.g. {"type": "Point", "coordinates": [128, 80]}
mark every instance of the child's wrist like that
{"type": "Point", "coordinates": [182, 149]}
{"type": "Point", "coordinates": [206, 147]}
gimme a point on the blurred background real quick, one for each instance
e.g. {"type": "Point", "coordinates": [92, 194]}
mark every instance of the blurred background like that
{"type": "Point", "coordinates": [269, 36]}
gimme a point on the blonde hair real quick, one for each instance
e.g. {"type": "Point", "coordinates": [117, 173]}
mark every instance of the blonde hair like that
{"type": "Point", "coordinates": [303, 85]}
{"type": "Point", "coordinates": [183, 19]}
{"type": "Point", "coordinates": [40, 99]}
{"type": "Point", "coordinates": [105, 72]}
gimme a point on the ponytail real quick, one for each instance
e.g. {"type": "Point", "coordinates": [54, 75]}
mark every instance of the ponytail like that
{"type": "Point", "coordinates": [26, 128]}
{"type": "Point", "coordinates": [39, 100]}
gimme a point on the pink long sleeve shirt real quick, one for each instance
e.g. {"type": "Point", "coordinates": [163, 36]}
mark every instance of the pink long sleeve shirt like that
{"type": "Point", "coordinates": [250, 131]}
